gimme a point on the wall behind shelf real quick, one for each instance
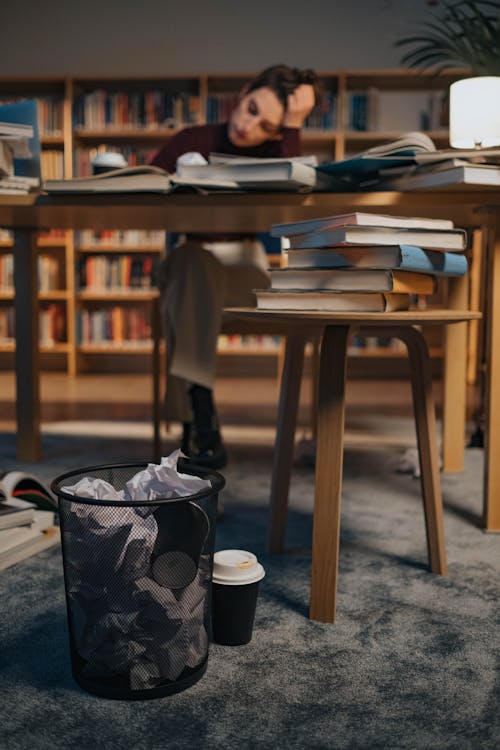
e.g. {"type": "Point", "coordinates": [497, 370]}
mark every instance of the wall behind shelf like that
{"type": "Point", "coordinates": [122, 37]}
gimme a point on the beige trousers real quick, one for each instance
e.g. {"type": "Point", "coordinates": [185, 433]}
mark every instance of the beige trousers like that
{"type": "Point", "coordinates": [196, 282]}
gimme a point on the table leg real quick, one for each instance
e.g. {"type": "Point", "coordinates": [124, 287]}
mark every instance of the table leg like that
{"type": "Point", "coordinates": [455, 381]}
{"type": "Point", "coordinates": [425, 422]}
{"type": "Point", "coordinates": [27, 357]}
{"type": "Point", "coordinates": [156, 367]}
{"type": "Point", "coordinates": [491, 508]}
{"type": "Point", "coordinates": [329, 460]}
{"type": "Point", "coordinates": [285, 437]}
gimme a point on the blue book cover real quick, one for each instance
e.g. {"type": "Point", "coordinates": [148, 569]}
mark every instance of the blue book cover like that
{"type": "Point", "coordinates": [403, 257]}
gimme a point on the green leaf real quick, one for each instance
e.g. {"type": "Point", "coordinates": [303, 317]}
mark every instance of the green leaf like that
{"type": "Point", "coordinates": [467, 33]}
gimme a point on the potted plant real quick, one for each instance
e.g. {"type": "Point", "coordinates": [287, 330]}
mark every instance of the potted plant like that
{"type": "Point", "coordinates": [464, 33]}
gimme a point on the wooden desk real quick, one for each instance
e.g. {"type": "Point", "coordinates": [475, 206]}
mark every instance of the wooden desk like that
{"type": "Point", "coordinates": [479, 207]}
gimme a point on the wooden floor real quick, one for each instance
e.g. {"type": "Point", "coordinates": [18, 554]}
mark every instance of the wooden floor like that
{"type": "Point", "coordinates": [377, 411]}
{"type": "Point", "coordinates": [250, 401]}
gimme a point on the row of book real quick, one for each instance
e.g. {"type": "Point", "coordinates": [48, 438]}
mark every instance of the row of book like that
{"type": "Point", "coordinates": [372, 110]}
{"type": "Point", "coordinates": [48, 273]}
{"type": "Point", "coordinates": [250, 342]}
{"type": "Point", "coordinates": [120, 238]}
{"type": "Point", "coordinates": [28, 517]}
{"type": "Point", "coordinates": [324, 116]}
{"type": "Point", "coordinates": [52, 324]}
{"type": "Point", "coordinates": [50, 114]}
{"type": "Point", "coordinates": [52, 164]}
{"type": "Point", "coordinates": [363, 262]}
{"type": "Point", "coordinates": [114, 325]}
{"type": "Point", "coordinates": [101, 109]}
{"type": "Point", "coordinates": [107, 273]}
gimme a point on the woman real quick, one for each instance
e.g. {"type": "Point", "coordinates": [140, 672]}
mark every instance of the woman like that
{"type": "Point", "coordinates": [204, 274]}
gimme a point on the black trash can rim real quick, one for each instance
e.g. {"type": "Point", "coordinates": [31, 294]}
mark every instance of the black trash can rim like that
{"type": "Point", "coordinates": [216, 479]}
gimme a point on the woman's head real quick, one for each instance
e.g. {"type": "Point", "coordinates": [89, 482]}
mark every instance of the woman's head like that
{"type": "Point", "coordinates": [262, 107]}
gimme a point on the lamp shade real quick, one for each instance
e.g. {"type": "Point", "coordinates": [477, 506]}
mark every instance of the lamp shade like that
{"type": "Point", "coordinates": [475, 112]}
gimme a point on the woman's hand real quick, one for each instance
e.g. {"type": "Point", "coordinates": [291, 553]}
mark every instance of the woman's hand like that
{"type": "Point", "coordinates": [299, 104]}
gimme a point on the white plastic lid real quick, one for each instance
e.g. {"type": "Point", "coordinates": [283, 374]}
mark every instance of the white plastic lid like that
{"type": "Point", "coordinates": [233, 567]}
{"type": "Point", "coordinates": [109, 159]}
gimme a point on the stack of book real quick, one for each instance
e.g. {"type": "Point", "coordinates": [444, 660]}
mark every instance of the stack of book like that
{"type": "Point", "coordinates": [19, 148]}
{"type": "Point", "coordinates": [363, 262]}
{"type": "Point", "coordinates": [27, 518]}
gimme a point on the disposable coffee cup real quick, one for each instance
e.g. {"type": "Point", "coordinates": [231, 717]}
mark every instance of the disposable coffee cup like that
{"type": "Point", "coordinates": [108, 162]}
{"type": "Point", "coordinates": [235, 586]}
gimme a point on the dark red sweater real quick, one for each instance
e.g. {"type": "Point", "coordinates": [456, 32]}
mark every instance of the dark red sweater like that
{"type": "Point", "coordinates": [206, 139]}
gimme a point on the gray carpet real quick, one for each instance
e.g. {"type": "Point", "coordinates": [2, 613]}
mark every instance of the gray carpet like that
{"type": "Point", "coordinates": [412, 661]}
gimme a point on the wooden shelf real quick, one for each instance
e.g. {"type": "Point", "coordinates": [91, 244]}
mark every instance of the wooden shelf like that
{"type": "Point", "coordinates": [114, 134]}
{"type": "Point", "coordinates": [127, 249]}
{"type": "Point", "coordinates": [130, 295]}
{"type": "Point", "coordinates": [336, 142]}
{"type": "Point", "coordinates": [53, 295]}
{"type": "Point", "coordinates": [52, 140]}
{"type": "Point", "coordinates": [51, 242]}
{"type": "Point", "coordinates": [118, 347]}
{"type": "Point", "coordinates": [63, 348]}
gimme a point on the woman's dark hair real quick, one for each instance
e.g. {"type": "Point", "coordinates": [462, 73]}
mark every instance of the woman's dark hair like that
{"type": "Point", "coordinates": [283, 80]}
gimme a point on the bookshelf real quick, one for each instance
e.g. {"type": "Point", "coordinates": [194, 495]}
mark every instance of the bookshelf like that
{"type": "Point", "coordinates": [107, 323]}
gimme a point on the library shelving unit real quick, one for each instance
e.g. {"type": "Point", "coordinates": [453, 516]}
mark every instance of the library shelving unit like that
{"type": "Point", "coordinates": [95, 296]}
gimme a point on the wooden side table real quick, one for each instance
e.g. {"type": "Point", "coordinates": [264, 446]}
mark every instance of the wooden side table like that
{"type": "Point", "coordinates": [336, 328]}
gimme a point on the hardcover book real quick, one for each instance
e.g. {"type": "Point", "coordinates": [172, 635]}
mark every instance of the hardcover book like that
{"type": "Point", "coordinates": [449, 239]}
{"type": "Point", "coordinates": [352, 279]}
{"type": "Point", "coordinates": [403, 257]}
{"type": "Point", "coordinates": [328, 301]}
{"type": "Point", "coordinates": [27, 517]}
{"type": "Point", "coordinates": [358, 218]}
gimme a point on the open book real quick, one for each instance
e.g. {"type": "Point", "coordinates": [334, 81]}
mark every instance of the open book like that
{"type": "Point", "coordinates": [255, 174]}
{"type": "Point", "coordinates": [27, 517]}
{"type": "Point", "coordinates": [401, 152]}
{"type": "Point", "coordinates": [235, 175]}
{"type": "Point", "coordinates": [141, 179]}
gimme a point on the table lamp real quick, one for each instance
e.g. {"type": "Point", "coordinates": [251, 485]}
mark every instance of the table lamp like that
{"type": "Point", "coordinates": [475, 112]}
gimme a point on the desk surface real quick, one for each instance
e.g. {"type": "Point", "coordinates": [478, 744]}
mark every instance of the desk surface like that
{"type": "Point", "coordinates": [318, 317]}
{"type": "Point", "coordinates": [225, 212]}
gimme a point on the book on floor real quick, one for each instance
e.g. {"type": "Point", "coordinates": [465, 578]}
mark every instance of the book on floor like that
{"type": "Point", "coordinates": [20, 485]}
{"type": "Point", "coordinates": [358, 218]}
{"type": "Point", "coordinates": [24, 541]}
{"type": "Point", "coordinates": [446, 239]}
{"type": "Point", "coordinates": [352, 279]}
{"type": "Point", "coordinates": [402, 257]}
{"type": "Point", "coordinates": [15, 515]}
{"type": "Point", "coordinates": [329, 301]}
{"type": "Point", "coordinates": [27, 517]}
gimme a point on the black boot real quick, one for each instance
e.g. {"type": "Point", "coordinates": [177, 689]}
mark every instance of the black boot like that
{"type": "Point", "coordinates": [186, 438]}
{"type": "Point", "coordinates": [209, 449]}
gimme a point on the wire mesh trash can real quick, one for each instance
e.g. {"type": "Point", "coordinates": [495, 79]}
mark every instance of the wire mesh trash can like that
{"type": "Point", "coordinates": [138, 580]}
